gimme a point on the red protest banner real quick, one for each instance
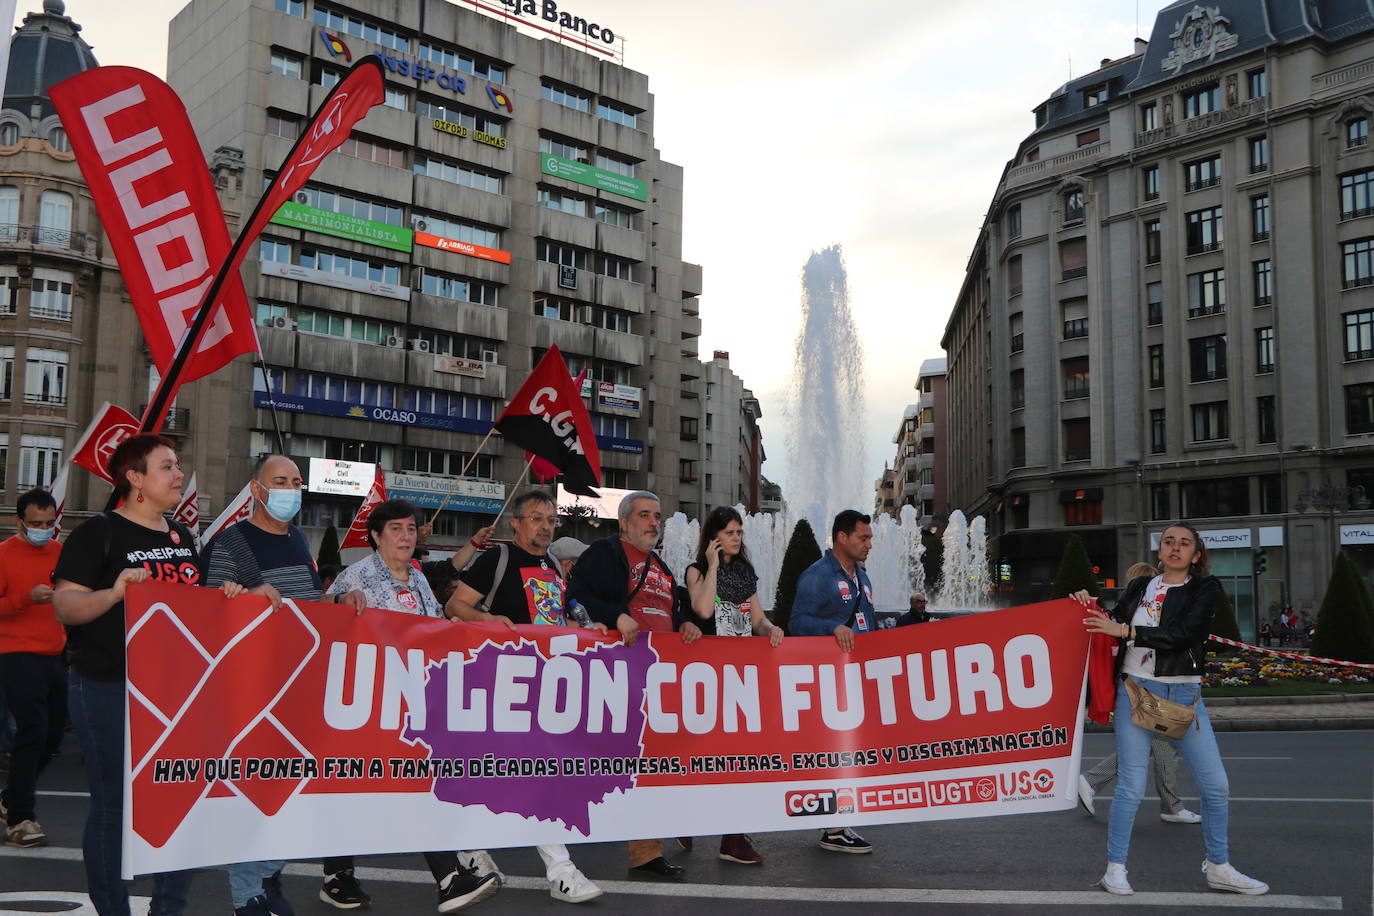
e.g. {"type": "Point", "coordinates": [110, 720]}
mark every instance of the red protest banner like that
{"type": "Point", "coordinates": [453, 728]}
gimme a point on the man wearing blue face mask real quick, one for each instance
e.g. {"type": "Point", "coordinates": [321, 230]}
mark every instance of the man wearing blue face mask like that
{"type": "Point", "coordinates": [32, 675]}
{"type": "Point", "coordinates": [269, 556]}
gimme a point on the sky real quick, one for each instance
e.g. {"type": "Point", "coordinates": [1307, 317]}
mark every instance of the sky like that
{"type": "Point", "coordinates": [879, 126]}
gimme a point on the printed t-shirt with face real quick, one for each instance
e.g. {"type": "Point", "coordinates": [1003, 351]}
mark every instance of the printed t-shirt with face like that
{"type": "Point", "coordinates": [1141, 661]}
{"type": "Point", "coordinates": [530, 590]}
{"type": "Point", "coordinates": [652, 605]}
{"type": "Point", "coordinates": [97, 647]}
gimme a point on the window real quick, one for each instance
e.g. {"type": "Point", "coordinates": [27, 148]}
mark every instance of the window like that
{"type": "Point", "coordinates": [1013, 221]}
{"type": "Point", "coordinates": [464, 175]}
{"type": "Point", "coordinates": [1154, 303]}
{"type": "Point", "coordinates": [1258, 81]}
{"type": "Point", "coordinates": [1204, 230]}
{"type": "Point", "coordinates": [612, 215]}
{"type": "Point", "coordinates": [347, 327]}
{"type": "Point", "coordinates": [1094, 96]}
{"type": "Point", "coordinates": [9, 133]}
{"type": "Point", "coordinates": [1078, 440]}
{"type": "Point", "coordinates": [59, 141]}
{"type": "Point", "coordinates": [1209, 421]}
{"type": "Point", "coordinates": [1201, 101]}
{"type": "Point", "coordinates": [619, 427]}
{"type": "Point", "coordinates": [347, 204]}
{"type": "Point", "coordinates": [1160, 503]}
{"type": "Point", "coordinates": [620, 114]}
{"type": "Point", "coordinates": [9, 213]}
{"type": "Point", "coordinates": [9, 289]}
{"type": "Point", "coordinates": [608, 265]}
{"type": "Point", "coordinates": [1073, 258]}
{"type": "Point", "coordinates": [1075, 315]}
{"type": "Point", "coordinates": [1270, 494]}
{"type": "Point", "coordinates": [1149, 116]}
{"type": "Point", "coordinates": [1206, 293]}
{"type": "Point", "coordinates": [346, 390]}
{"type": "Point", "coordinates": [1033, 154]}
{"type": "Point", "coordinates": [448, 464]}
{"type": "Point", "coordinates": [1359, 408]}
{"type": "Point", "coordinates": [1202, 173]}
{"type": "Point", "coordinates": [1259, 217]}
{"type": "Point", "coordinates": [1089, 137]}
{"type": "Point", "coordinates": [45, 377]}
{"type": "Point", "coordinates": [1356, 199]}
{"type": "Point", "coordinates": [558, 253]}
{"type": "Point", "coordinates": [566, 96]}
{"type": "Point", "coordinates": [438, 111]}
{"type": "Point", "coordinates": [1158, 435]}
{"type": "Point", "coordinates": [327, 77]}
{"type": "Point", "coordinates": [1359, 335]}
{"type": "Point", "coordinates": [396, 98]}
{"type": "Point", "coordinates": [1076, 377]}
{"type": "Point", "coordinates": [1018, 389]}
{"type": "Point", "coordinates": [1018, 447]}
{"type": "Point", "coordinates": [1073, 205]}
{"type": "Point", "coordinates": [6, 373]}
{"type": "Point", "coordinates": [458, 230]}
{"type": "Point", "coordinates": [463, 62]}
{"type": "Point", "coordinates": [1215, 498]}
{"type": "Point", "coordinates": [268, 313]}
{"type": "Point", "coordinates": [1154, 361]}
{"type": "Point", "coordinates": [40, 461]}
{"type": "Point", "coordinates": [1153, 243]}
{"type": "Point", "coordinates": [52, 294]}
{"type": "Point", "coordinates": [357, 267]}
{"type": "Point", "coordinates": [618, 166]}
{"type": "Point", "coordinates": [1014, 275]}
{"type": "Point", "coordinates": [1357, 263]}
{"type": "Point", "coordinates": [460, 289]}
{"type": "Point", "coordinates": [290, 7]}
{"type": "Point", "coordinates": [54, 218]}
{"type": "Point", "coordinates": [361, 28]}
{"type": "Point", "coordinates": [563, 202]}
{"type": "Point", "coordinates": [1259, 154]}
{"type": "Point", "coordinates": [378, 151]}
{"type": "Point", "coordinates": [1083, 511]}
{"type": "Point", "coordinates": [270, 250]}
{"type": "Point", "coordinates": [1149, 178]}
{"type": "Point", "coordinates": [565, 148]}
{"type": "Point", "coordinates": [1264, 350]}
{"type": "Point", "coordinates": [1264, 282]}
{"type": "Point", "coordinates": [1018, 339]}
{"type": "Point", "coordinates": [285, 126]}
{"type": "Point", "coordinates": [284, 64]}
{"type": "Point", "coordinates": [1356, 133]}
{"type": "Point", "coordinates": [445, 344]}
{"type": "Point", "coordinates": [1266, 425]}
{"type": "Point", "coordinates": [1207, 357]}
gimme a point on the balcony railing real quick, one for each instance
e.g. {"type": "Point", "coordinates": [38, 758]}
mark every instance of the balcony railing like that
{"type": "Point", "coordinates": [1075, 327]}
{"type": "Point", "coordinates": [1073, 273]}
{"type": "Point", "coordinates": [80, 242]}
{"type": "Point", "coordinates": [178, 419]}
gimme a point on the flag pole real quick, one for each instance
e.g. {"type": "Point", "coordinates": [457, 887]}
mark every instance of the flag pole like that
{"type": "Point", "coordinates": [453, 484]}
{"type": "Point", "coordinates": [515, 489]}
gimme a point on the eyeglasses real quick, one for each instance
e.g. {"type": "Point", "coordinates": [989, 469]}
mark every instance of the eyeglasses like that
{"type": "Point", "coordinates": [542, 519]}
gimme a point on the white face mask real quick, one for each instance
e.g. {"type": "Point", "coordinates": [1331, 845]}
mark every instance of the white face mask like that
{"type": "Point", "coordinates": [39, 537]}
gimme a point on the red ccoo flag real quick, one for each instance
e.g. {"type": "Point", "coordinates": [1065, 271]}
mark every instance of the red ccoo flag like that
{"type": "Point", "coordinates": [547, 418]}
{"type": "Point", "coordinates": [357, 532]}
{"type": "Point", "coordinates": [111, 426]}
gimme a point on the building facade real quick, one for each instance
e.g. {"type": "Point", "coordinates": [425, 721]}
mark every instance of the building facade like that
{"type": "Point", "coordinates": [725, 467]}
{"type": "Point", "coordinates": [506, 198]}
{"type": "Point", "coordinates": [1105, 377]}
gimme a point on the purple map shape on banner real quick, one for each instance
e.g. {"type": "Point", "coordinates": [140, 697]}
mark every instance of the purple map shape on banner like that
{"type": "Point", "coordinates": [581, 709]}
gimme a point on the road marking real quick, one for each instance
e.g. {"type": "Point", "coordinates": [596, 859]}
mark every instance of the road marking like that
{"type": "Point", "coordinates": [844, 895]}
{"type": "Point", "coordinates": [55, 794]}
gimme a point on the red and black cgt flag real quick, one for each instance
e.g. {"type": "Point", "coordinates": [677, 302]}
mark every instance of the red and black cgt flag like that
{"type": "Point", "coordinates": [548, 419]}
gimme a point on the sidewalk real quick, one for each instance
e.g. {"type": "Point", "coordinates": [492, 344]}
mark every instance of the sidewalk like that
{"type": "Point", "coordinates": [1254, 714]}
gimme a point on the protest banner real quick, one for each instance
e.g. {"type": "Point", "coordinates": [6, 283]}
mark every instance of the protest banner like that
{"type": "Point", "coordinates": [294, 733]}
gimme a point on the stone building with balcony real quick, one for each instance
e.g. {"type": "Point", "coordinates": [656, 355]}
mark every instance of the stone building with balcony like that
{"type": "Point", "coordinates": [1168, 311]}
{"type": "Point", "coordinates": [722, 451]}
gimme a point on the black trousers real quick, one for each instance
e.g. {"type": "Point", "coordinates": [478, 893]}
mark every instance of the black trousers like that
{"type": "Point", "coordinates": [36, 690]}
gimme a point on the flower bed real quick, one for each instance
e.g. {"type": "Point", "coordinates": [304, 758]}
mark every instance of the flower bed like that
{"type": "Point", "coordinates": [1251, 669]}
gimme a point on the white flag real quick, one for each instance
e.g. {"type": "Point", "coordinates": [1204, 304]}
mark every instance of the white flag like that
{"type": "Point", "coordinates": [238, 509]}
{"type": "Point", "coordinates": [59, 496]}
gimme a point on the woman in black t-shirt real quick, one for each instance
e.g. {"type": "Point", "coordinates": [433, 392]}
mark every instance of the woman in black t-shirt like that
{"type": "Point", "coordinates": [101, 558]}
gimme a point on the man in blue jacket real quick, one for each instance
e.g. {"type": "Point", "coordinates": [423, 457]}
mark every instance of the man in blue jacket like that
{"type": "Point", "coordinates": [835, 598]}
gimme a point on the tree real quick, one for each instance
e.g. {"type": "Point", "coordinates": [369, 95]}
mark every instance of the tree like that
{"type": "Point", "coordinates": [1224, 624]}
{"type": "Point", "coordinates": [329, 549]}
{"type": "Point", "coordinates": [1075, 571]}
{"type": "Point", "coordinates": [1344, 627]}
{"type": "Point", "coordinates": [801, 552]}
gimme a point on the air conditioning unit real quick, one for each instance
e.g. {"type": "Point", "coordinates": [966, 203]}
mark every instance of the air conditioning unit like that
{"type": "Point", "coordinates": [420, 345]}
{"type": "Point", "coordinates": [302, 197]}
{"type": "Point", "coordinates": [488, 356]}
{"type": "Point", "coordinates": [283, 323]}
{"type": "Point", "coordinates": [395, 341]}
{"type": "Point", "coordinates": [418, 224]}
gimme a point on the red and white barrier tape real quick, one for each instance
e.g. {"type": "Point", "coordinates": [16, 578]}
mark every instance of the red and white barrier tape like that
{"type": "Point", "coordinates": [1295, 655]}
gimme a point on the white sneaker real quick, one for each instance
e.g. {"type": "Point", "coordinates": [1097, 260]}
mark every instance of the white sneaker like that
{"type": "Point", "coordinates": [1085, 795]}
{"type": "Point", "coordinates": [1114, 881]}
{"type": "Point", "coordinates": [1225, 878]}
{"type": "Point", "coordinates": [568, 884]}
{"type": "Point", "coordinates": [480, 862]}
{"type": "Point", "coordinates": [1181, 816]}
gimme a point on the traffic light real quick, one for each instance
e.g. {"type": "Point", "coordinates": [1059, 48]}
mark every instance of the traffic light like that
{"type": "Point", "coordinates": [1261, 560]}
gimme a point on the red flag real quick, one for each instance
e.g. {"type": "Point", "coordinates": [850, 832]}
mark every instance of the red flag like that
{"type": "Point", "coordinates": [357, 532]}
{"type": "Point", "coordinates": [157, 204]}
{"type": "Point", "coordinates": [110, 426]}
{"type": "Point", "coordinates": [240, 508]}
{"type": "Point", "coordinates": [547, 417]}
{"type": "Point", "coordinates": [542, 470]}
{"type": "Point", "coordinates": [188, 510]}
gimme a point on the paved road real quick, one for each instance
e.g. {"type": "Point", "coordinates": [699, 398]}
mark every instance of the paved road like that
{"type": "Point", "coordinates": [1302, 817]}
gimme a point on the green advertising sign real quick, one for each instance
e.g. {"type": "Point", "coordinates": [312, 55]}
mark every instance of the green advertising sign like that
{"type": "Point", "coordinates": [592, 176]}
{"type": "Point", "coordinates": [344, 226]}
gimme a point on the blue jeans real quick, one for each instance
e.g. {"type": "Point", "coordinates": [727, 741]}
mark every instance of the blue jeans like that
{"type": "Point", "coordinates": [97, 711]}
{"type": "Point", "coordinates": [1199, 749]}
{"type": "Point", "coordinates": [245, 879]}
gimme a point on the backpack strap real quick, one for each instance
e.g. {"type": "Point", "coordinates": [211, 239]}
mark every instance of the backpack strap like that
{"type": "Point", "coordinates": [502, 561]}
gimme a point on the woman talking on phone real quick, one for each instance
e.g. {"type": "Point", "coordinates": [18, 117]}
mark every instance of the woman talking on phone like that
{"type": "Point", "coordinates": [1163, 623]}
{"type": "Point", "coordinates": [724, 590]}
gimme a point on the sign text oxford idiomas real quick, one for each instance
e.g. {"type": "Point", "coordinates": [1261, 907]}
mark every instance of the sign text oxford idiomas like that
{"type": "Point", "coordinates": [548, 11]}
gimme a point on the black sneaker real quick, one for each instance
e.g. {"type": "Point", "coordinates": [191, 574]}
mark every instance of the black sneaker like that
{"type": "Point", "coordinates": [845, 840]}
{"type": "Point", "coordinates": [460, 890]}
{"type": "Point", "coordinates": [276, 900]}
{"type": "Point", "coordinates": [257, 906]}
{"type": "Point", "coordinates": [342, 891]}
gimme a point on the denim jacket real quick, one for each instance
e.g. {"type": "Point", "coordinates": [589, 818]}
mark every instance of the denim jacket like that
{"type": "Point", "coordinates": [828, 598]}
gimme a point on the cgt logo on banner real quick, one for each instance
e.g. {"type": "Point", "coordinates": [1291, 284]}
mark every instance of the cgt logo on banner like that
{"type": "Point", "coordinates": [295, 731]}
